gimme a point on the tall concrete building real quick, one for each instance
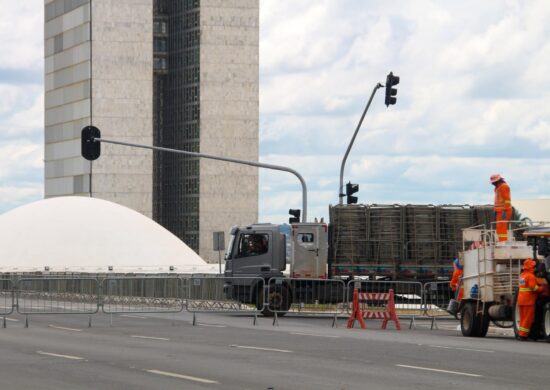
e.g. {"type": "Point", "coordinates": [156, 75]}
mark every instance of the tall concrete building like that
{"type": "Point", "coordinates": [175, 73]}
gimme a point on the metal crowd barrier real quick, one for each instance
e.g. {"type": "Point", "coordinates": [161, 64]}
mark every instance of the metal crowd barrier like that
{"type": "Point", "coordinates": [215, 294]}
{"type": "Point", "coordinates": [306, 297]}
{"type": "Point", "coordinates": [7, 300]}
{"type": "Point", "coordinates": [436, 299]}
{"type": "Point", "coordinates": [141, 295]}
{"type": "Point", "coordinates": [57, 296]}
{"type": "Point", "coordinates": [223, 294]}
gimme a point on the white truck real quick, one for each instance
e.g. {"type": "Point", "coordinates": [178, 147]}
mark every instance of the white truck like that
{"type": "Point", "coordinates": [491, 278]}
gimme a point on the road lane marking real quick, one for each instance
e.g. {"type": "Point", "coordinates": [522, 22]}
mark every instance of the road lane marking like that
{"type": "Point", "coordinates": [149, 337]}
{"type": "Point", "coordinates": [181, 376]}
{"type": "Point", "coordinates": [437, 370]}
{"type": "Point", "coordinates": [461, 349]}
{"type": "Point", "coordinates": [314, 335]}
{"type": "Point", "coordinates": [11, 319]}
{"type": "Point", "coordinates": [63, 328]}
{"type": "Point", "coordinates": [260, 348]}
{"type": "Point", "coordinates": [60, 356]}
{"type": "Point", "coordinates": [213, 325]}
{"type": "Point", "coordinates": [132, 316]}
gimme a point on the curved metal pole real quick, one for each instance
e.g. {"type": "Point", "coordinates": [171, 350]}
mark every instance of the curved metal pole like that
{"type": "Point", "coordinates": [233, 160]}
{"type": "Point", "coordinates": [341, 188]}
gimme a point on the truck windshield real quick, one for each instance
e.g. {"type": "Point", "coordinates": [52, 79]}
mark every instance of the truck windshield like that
{"type": "Point", "coordinates": [229, 247]}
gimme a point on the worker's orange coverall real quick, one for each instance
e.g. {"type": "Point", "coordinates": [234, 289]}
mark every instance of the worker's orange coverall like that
{"type": "Point", "coordinates": [503, 210]}
{"type": "Point", "coordinates": [527, 297]}
{"type": "Point", "coordinates": [455, 282]}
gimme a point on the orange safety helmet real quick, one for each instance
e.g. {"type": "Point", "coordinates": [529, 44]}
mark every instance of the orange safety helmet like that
{"type": "Point", "coordinates": [529, 265]}
{"type": "Point", "coordinates": [496, 177]}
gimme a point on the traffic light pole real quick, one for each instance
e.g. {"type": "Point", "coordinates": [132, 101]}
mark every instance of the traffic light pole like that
{"type": "Point", "coordinates": [341, 189]}
{"type": "Point", "coordinates": [228, 159]}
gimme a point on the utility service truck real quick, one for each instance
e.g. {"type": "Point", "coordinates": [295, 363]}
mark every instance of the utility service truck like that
{"type": "Point", "coordinates": [491, 278]}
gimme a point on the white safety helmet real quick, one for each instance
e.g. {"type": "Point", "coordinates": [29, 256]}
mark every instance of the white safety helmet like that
{"type": "Point", "coordinates": [496, 177]}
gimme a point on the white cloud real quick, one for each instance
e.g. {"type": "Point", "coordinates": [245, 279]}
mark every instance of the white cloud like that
{"type": "Point", "coordinates": [21, 34]}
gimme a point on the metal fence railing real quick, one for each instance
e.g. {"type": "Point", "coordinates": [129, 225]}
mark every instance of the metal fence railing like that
{"type": "Point", "coordinates": [142, 295]}
{"type": "Point", "coordinates": [6, 297]}
{"type": "Point", "coordinates": [224, 294]}
{"type": "Point", "coordinates": [306, 296]}
{"type": "Point", "coordinates": [57, 296]}
{"type": "Point", "coordinates": [213, 294]}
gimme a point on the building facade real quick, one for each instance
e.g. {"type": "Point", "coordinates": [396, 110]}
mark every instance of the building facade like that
{"type": "Point", "coordinates": [181, 74]}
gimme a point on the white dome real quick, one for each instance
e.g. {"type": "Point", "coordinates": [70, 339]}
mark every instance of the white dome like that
{"type": "Point", "coordinates": [80, 234]}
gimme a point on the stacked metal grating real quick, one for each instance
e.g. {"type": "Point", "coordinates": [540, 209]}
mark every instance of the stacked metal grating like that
{"type": "Point", "coordinates": [422, 242]}
{"type": "Point", "coordinates": [403, 242]}
{"type": "Point", "coordinates": [384, 239]}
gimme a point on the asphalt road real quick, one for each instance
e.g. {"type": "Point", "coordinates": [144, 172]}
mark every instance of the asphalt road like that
{"type": "Point", "coordinates": [141, 351]}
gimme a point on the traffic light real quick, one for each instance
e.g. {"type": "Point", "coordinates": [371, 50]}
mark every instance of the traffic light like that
{"type": "Point", "coordinates": [295, 216]}
{"type": "Point", "coordinates": [391, 80]}
{"type": "Point", "coordinates": [350, 190]}
{"type": "Point", "coordinates": [91, 149]}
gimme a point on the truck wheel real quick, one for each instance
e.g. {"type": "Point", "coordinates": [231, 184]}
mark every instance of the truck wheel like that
{"type": "Point", "coordinates": [469, 321]}
{"type": "Point", "coordinates": [516, 315]}
{"type": "Point", "coordinates": [277, 301]}
{"type": "Point", "coordinates": [546, 322]}
{"type": "Point", "coordinates": [484, 321]}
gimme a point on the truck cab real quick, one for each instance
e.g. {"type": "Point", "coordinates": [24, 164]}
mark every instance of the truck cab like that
{"type": "Point", "coordinates": [256, 257]}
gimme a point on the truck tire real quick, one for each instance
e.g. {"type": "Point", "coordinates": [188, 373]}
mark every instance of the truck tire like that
{"type": "Point", "coordinates": [484, 321]}
{"type": "Point", "coordinates": [470, 322]}
{"type": "Point", "coordinates": [516, 315]}
{"type": "Point", "coordinates": [278, 301]}
{"type": "Point", "coordinates": [546, 322]}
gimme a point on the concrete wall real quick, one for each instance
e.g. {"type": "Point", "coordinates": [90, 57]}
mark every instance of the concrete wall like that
{"type": "Point", "coordinates": [113, 91]}
{"type": "Point", "coordinates": [122, 100]}
{"type": "Point", "coordinates": [67, 96]}
{"type": "Point", "coordinates": [229, 101]}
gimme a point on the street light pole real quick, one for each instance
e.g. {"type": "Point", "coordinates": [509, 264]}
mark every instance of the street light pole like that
{"type": "Point", "coordinates": [341, 188]}
{"type": "Point", "coordinates": [228, 159]}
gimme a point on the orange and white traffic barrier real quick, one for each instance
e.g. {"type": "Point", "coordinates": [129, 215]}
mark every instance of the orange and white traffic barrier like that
{"type": "Point", "coordinates": [360, 299]}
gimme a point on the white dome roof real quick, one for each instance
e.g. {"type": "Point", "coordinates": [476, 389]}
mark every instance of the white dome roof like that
{"type": "Point", "coordinates": [80, 234]}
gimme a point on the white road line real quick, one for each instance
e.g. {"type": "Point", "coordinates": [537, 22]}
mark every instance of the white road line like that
{"type": "Point", "coordinates": [149, 337]}
{"type": "Point", "coordinates": [11, 319]}
{"type": "Point", "coordinates": [437, 370]}
{"type": "Point", "coordinates": [60, 356]}
{"type": "Point", "coordinates": [314, 335]}
{"type": "Point", "coordinates": [132, 316]}
{"type": "Point", "coordinates": [180, 376]}
{"type": "Point", "coordinates": [63, 328]}
{"type": "Point", "coordinates": [461, 349]}
{"type": "Point", "coordinates": [213, 325]}
{"type": "Point", "coordinates": [261, 349]}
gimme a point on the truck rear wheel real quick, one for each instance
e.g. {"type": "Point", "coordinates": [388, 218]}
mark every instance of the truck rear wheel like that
{"type": "Point", "coordinates": [484, 321]}
{"type": "Point", "coordinates": [516, 316]}
{"type": "Point", "coordinates": [546, 322]}
{"type": "Point", "coordinates": [470, 322]}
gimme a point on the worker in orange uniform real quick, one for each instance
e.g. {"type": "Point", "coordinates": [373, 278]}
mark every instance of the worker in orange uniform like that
{"type": "Point", "coordinates": [527, 298]}
{"type": "Point", "coordinates": [456, 280]}
{"type": "Point", "coordinates": [503, 206]}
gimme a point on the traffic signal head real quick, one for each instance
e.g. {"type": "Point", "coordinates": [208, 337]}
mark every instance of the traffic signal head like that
{"type": "Point", "coordinates": [91, 149]}
{"type": "Point", "coordinates": [391, 80]}
{"type": "Point", "coordinates": [350, 190]}
{"type": "Point", "coordinates": [295, 216]}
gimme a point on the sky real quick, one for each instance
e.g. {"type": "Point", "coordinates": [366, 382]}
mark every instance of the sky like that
{"type": "Point", "coordinates": [473, 100]}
